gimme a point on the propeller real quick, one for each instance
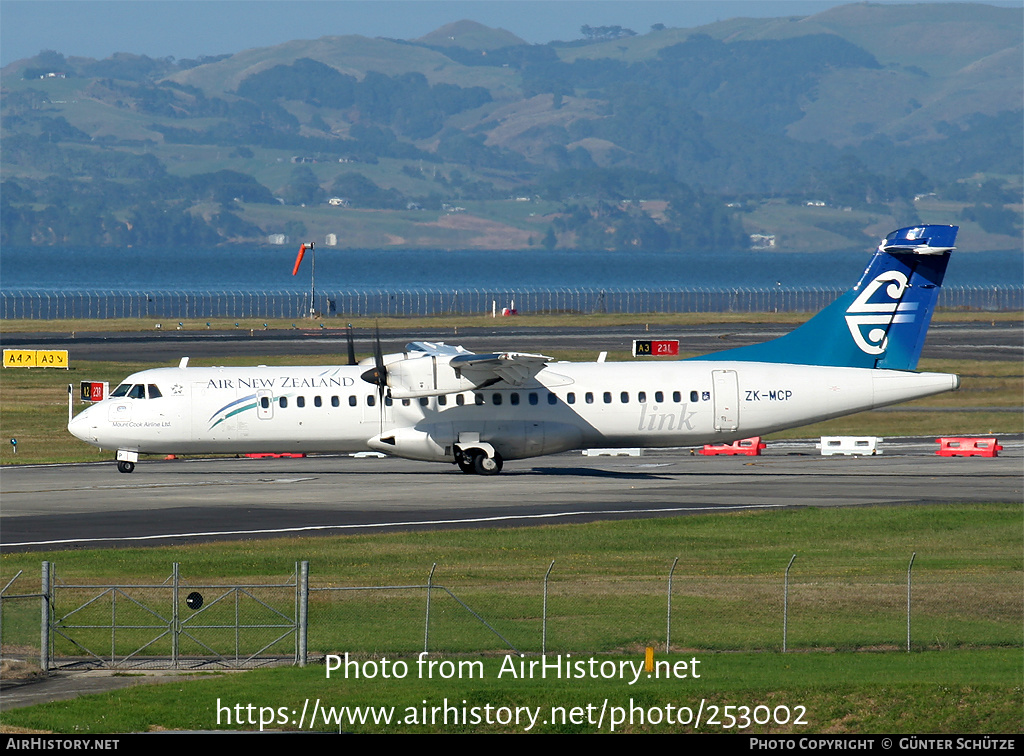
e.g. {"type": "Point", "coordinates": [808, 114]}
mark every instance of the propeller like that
{"type": "Point", "coordinates": [378, 374]}
{"type": "Point", "coordinates": [351, 345]}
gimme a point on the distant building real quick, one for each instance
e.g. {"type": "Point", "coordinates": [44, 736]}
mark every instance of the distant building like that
{"type": "Point", "coordinates": [338, 202]}
{"type": "Point", "coordinates": [277, 239]}
{"type": "Point", "coordinates": [331, 240]}
{"type": "Point", "coordinates": [762, 241]}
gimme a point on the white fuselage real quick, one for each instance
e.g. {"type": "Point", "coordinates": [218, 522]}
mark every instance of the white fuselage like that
{"type": "Point", "coordinates": [566, 406]}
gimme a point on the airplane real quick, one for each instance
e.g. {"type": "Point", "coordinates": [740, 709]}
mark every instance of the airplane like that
{"type": "Point", "coordinates": [441, 403]}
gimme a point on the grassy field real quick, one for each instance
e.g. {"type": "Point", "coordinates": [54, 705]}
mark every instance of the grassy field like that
{"type": "Point", "coordinates": [607, 601]}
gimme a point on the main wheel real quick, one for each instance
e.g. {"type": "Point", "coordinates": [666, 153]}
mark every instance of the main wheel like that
{"type": "Point", "coordinates": [466, 464]}
{"type": "Point", "coordinates": [484, 465]}
{"type": "Point", "coordinates": [125, 467]}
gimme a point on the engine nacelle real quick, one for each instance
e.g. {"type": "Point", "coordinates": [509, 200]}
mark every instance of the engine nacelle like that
{"type": "Point", "coordinates": [428, 375]}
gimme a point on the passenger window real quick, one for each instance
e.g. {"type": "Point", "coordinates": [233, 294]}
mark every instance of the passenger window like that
{"type": "Point", "coordinates": [624, 397]}
{"type": "Point", "coordinates": [460, 399]}
{"type": "Point", "coordinates": [478, 399]}
{"type": "Point", "coordinates": [496, 398]}
{"type": "Point", "coordinates": [589, 396]}
{"type": "Point", "coordinates": [352, 401]}
{"type": "Point", "coordinates": [406, 402]}
{"type": "Point", "coordinates": [283, 402]}
{"type": "Point", "coordinates": [154, 392]}
{"type": "Point", "coordinates": [570, 398]}
{"type": "Point", "coordinates": [607, 397]}
{"type": "Point", "coordinates": [264, 402]}
{"type": "Point", "coordinates": [693, 396]}
{"type": "Point", "coordinates": [659, 397]}
{"type": "Point", "coordinates": [642, 397]}
{"type": "Point", "coordinates": [318, 402]}
{"type": "Point", "coordinates": [442, 401]}
{"type": "Point", "coordinates": [336, 402]}
{"type": "Point", "coordinates": [371, 400]}
{"type": "Point", "coordinates": [552, 399]}
{"type": "Point", "coordinates": [677, 397]}
{"type": "Point", "coordinates": [300, 401]}
{"type": "Point", "coordinates": [534, 398]}
{"type": "Point", "coordinates": [514, 397]}
{"type": "Point", "coordinates": [424, 401]}
{"type": "Point", "coordinates": [388, 401]}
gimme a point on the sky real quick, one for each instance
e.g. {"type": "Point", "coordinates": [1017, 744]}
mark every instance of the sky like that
{"type": "Point", "coordinates": [191, 28]}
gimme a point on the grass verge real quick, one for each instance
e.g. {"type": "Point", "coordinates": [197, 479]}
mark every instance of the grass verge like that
{"type": "Point", "coordinates": [607, 602]}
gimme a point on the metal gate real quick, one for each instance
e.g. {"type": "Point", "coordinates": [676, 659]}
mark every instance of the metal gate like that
{"type": "Point", "coordinates": [176, 624]}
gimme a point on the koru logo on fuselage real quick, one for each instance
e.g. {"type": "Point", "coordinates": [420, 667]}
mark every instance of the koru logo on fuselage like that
{"type": "Point", "coordinates": [865, 314]}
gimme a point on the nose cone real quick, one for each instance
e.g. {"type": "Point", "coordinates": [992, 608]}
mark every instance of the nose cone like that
{"type": "Point", "coordinates": [82, 427]}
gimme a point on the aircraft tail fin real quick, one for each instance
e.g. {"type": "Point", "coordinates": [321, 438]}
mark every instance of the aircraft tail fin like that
{"type": "Point", "coordinates": [879, 323]}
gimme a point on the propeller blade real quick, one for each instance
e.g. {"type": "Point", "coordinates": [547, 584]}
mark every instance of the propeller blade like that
{"type": "Point", "coordinates": [381, 373]}
{"type": "Point", "coordinates": [351, 346]}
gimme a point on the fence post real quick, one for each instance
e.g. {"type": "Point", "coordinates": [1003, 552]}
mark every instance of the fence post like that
{"type": "Point", "coordinates": [668, 621]}
{"type": "Point", "coordinates": [909, 568]}
{"type": "Point", "coordinates": [44, 623]}
{"type": "Point", "coordinates": [544, 617]}
{"type": "Point", "coordinates": [785, 605]}
{"type": "Point", "coordinates": [175, 626]}
{"type": "Point", "coordinates": [302, 587]}
{"type": "Point", "coordinates": [426, 628]}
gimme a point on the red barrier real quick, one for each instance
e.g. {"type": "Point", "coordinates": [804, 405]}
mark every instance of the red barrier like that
{"type": "Point", "coordinates": [968, 447]}
{"type": "Point", "coordinates": [749, 447]}
{"type": "Point", "coordinates": [268, 455]}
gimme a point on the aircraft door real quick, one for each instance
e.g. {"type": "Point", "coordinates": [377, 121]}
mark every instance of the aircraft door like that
{"type": "Point", "coordinates": [265, 404]}
{"type": "Point", "coordinates": [727, 399]}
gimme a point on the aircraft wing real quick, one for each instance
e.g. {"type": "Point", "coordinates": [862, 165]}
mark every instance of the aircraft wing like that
{"type": "Point", "coordinates": [515, 368]}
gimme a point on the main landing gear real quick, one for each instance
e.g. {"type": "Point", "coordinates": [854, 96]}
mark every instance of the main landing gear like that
{"type": "Point", "coordinates": [125, 467]}
{"type": "Point", "coordinates": [476, 462]}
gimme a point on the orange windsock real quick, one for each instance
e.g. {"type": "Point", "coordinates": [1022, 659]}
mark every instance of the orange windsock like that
{"type": "Point", "coordinates": [298, 260]}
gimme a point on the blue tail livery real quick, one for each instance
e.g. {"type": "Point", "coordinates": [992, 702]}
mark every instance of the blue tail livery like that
{"type": "Point", "coordinates": [879, 323]}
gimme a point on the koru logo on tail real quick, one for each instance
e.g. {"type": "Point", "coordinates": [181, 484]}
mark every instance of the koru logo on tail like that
{"type": "Point", "coordinates": [863, 314]}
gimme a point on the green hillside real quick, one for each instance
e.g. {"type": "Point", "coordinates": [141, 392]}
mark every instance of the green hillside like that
{"type": "Point", "coordinates": [812, 130]}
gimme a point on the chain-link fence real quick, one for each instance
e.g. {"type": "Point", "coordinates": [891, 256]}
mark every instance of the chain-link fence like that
{"type": "Point", "coordinates": [53, 305]}
{"type": "Point", "coordinates": [809, 603]}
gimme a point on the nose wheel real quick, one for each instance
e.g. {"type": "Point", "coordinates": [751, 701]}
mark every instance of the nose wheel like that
{"type": "Point", "coordinates": [125, 467]}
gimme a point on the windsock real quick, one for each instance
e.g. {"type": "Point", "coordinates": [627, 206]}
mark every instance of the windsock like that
{"type": "Point", "coordinates": [298, 259]}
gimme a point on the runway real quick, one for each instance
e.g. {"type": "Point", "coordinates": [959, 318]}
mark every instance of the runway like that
{"type": "Point", "coordinates": [186, 501]}
{"type": "Point", "coordinates": [976, 340]}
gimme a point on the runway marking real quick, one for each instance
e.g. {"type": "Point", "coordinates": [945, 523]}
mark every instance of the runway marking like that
{"type": "Point", "coordinates": [375, 525]}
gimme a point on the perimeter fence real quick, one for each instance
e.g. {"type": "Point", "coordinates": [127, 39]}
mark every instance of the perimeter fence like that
{"type": "Point", "coordinates": [179, 305]}
{"type": "Point", "coordinates": [812, 603]}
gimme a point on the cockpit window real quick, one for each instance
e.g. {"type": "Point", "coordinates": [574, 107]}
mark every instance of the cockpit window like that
{"type": "Point", "coordinates": [154, 392]}
{"type": "Point", "coordinates": [138, 391]}
{"type": "Point", "coordinates": [121, 390]}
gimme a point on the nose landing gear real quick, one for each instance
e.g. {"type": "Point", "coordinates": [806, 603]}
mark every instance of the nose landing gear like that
{"type": "Point", "coordinates": [126, 460]}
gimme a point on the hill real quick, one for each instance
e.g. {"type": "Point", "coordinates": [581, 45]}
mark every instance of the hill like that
{"type": "Point", "coordinates": [673, 139]}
